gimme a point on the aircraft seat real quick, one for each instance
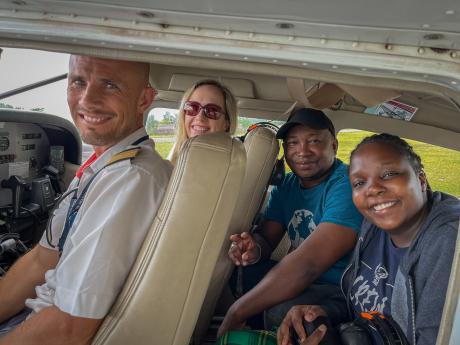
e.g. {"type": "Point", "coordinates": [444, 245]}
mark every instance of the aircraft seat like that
{"type": "Point", "coordinates": [262, 149]}
{"type": "Point", "coordinates": [163, 294]}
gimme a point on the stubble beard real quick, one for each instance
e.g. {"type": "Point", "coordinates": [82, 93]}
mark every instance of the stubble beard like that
{"type": "Point", "coordinates": [104, 137]}
{"type": "Point", "coordinates": [93, 138]}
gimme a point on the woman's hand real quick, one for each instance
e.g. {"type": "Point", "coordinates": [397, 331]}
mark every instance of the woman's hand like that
{"type": "Point", "coordinates": [294, 320]}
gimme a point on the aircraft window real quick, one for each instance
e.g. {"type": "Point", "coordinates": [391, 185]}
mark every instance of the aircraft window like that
{"type": "Point", "coordinates": [20, 67]}
{"type": "Point", "coordinates": [161, 125]}
{"type": "Point", "coordinates": [161, 122]}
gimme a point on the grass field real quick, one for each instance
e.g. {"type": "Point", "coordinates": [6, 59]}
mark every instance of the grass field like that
{"type": "Point", "coordinates": [442, 166]}
{"type": "Point", "coordinates": [163, 148]}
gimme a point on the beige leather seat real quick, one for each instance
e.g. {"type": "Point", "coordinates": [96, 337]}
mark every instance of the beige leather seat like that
{"type": "Point", "coordinates": [163, 294]}
{"type": "Point", "coordinates": [261, 150]}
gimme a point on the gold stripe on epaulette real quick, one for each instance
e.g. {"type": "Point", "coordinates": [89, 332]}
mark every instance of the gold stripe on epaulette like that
{"type": "Point", "coordinates": [127, 154]}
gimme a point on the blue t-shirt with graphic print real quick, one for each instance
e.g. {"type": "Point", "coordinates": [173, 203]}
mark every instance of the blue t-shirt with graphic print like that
{"type": "Point", "coordinates": [373, 286]}
{"type": "Point", "coordinates": [301, 210]}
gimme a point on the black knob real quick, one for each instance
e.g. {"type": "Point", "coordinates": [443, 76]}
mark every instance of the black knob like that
{"type": "Point", "coordinates": [17, 185]}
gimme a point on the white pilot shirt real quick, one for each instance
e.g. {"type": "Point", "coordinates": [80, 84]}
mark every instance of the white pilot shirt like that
{"type": "Point", "coordinates": [116, 213]}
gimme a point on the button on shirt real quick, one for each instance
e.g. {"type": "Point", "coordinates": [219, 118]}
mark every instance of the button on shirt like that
{"type": "Point", "coordinates": [107, 233]}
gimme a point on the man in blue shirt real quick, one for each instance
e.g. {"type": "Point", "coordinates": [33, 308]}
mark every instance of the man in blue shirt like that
{"type": "Point", "coordinates": [313, 204]}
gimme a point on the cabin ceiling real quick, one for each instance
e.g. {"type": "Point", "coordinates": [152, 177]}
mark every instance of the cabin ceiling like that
{"type": "Point", "coordinates": [409, 22]}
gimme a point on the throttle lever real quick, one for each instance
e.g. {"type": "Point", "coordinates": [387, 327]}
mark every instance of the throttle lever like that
{"type": "Point", "coordinates": [17, 185]}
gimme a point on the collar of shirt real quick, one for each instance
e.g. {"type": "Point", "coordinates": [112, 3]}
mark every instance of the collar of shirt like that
{"type": "Point", "coordinates": [102, 160]}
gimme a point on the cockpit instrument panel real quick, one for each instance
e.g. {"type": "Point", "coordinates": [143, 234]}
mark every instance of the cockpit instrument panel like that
{"type": "Point", "coordinates": [24, 151]}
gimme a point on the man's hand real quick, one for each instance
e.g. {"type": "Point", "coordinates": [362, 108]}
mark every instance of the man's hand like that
{"type": "Point", "coordinates": [294, 320]}
{"type": "Point", "coordinates": [231, 322]}
{"type": "Point", "coordinates": [244, 249]}
{"type": "Point", "coordinates": [296, 271]}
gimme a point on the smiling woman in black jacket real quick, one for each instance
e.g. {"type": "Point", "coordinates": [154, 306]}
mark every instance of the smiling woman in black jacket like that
{"type": "Point", "coordinates": [402, 261]}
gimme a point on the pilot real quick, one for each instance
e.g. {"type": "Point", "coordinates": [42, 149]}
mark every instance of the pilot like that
{"type": "Point", "coordinates": [60, 291]}
{"type": "Point", "coordinates": [206, 107]}
{"type": "Point", "coordinates": [314, 206]}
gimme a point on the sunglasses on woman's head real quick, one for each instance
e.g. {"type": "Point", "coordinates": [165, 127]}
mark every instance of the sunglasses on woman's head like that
{"type": "Point", "coordinates": [211, 111]}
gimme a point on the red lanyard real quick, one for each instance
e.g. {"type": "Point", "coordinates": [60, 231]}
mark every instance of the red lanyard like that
{"type": "Point", "coordinates": [88, 162]}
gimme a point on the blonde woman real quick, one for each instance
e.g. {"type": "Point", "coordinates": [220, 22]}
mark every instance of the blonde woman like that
{"type": "Point", "coordinates": [206, 107]}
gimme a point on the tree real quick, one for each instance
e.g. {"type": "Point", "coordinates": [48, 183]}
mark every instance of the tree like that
{"type": "Point", "coordinates": [152, 125]}
{"type": "Point", "coordinates": [245, 122]}
{"type": "Point", "coordinates": [168, 118]}
{"type": "Point", "coordinates": [9, 106]}
{"type": "Point", "coordinates": [5, 105]}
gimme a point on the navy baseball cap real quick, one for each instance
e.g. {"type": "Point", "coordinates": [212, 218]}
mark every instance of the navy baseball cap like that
{"type": "Point", "coordinates": [309, 117]}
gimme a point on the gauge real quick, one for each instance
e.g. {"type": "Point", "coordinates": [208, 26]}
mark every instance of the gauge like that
{"type": "Point", "coordinates": [4, 143]}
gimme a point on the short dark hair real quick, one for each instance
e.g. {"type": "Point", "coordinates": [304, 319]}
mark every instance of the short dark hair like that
{"type": "Point", "coordinates": [398, 144]}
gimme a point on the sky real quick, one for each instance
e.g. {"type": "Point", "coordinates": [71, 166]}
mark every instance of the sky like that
{"type": "Point", "coordinates": [19, 67]}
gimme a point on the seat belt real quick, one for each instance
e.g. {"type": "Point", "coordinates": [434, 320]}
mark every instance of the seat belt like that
{"type": "Point", "coordinates": [75, 203]}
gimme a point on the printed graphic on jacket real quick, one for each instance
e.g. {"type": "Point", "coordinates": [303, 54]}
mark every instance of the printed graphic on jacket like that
{"type": "Point", "coordinates": [373, 286]}
{"type": "Point", "coordinates": [300, 226]}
